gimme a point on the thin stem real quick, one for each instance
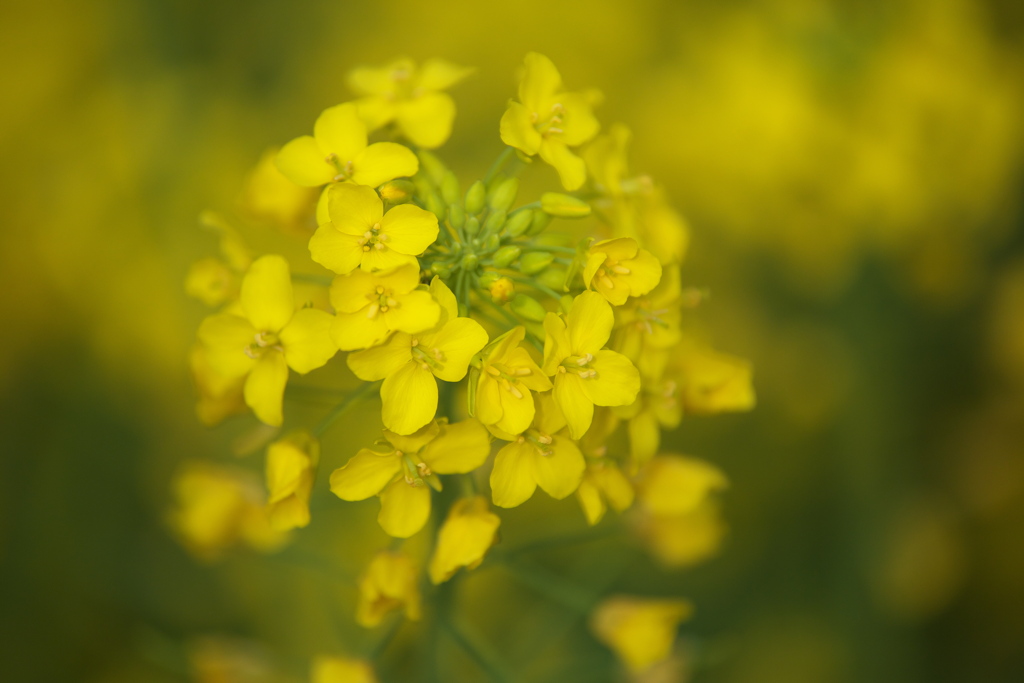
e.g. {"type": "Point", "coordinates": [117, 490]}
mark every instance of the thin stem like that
{"type": "Point", "coordinates": [554, 248]}
{"type": "Point", "coordinates": [313, 278]}
{"type": "Point", "coordinates": [536, 285]}
{"type": "Point", "coordinates": [498, 164]}
{"type": "Point", "coordinates": [344, 407]}
{"type": "Point", "coordinates": [377, 649]}
{"type": "Point", "coordinates": [479, 651]}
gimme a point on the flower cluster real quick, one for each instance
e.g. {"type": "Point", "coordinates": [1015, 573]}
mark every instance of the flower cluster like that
{"type": "Point", "coordinates": [507, 356]}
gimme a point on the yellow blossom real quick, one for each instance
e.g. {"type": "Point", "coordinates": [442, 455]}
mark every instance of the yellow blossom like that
{"type": "Point", "coordinates": [267, 338]}
{"type": "Point", "coordinates": [619, 268]}
{"type": "Point", "coordinates": [508, 375]}
{"type": "Point", "coordinates": [219, 397]}
{"type": "Point", "coordinates": [548, 121]}
{"type": "Point", "coordinates": [685, 539]}
{"type": "Point", "coordinates": [410, 96]}
{"type": "Point", "coordinates": [341, 670]}
{"type": "Point", "coordinates": [361, 235]}
{"type": "Point", "coordinates": [603, 484]}
{"type": "Point", "coordinates": [408, 364]}
{"type": "Point", "coordinates": [640, 631]}
{"type": "Point", "coordinates": [648, 325]}
{"type": "Point", "coordinates": [215, 281]}
{"type": "Point", "coordinates": [291, 466]}
{"type": "Point", "coordinates": [541, 456]}
{"type": "Point", "coordinates": [371, 306]}
{"type": "Point", "coordinates": [389, 582]}
{"type": "Point", "coordinates": [338, 151]}
{"type": "Point", "coordinates": [713, 382]}
{"type": "Point", "coordinates": [501, 290]}
{"type": "Point", "coordinates": [676, 485]}
{"type": "Point", "coordinates": [409, 464]}
{"type": "Point", "coordinates": [657, 407]}
{"type": "Point", "coordinates": [585, 373]}
{"type": "Point", "coordinates": [466, 535]}
{"type": "Point", "coordinates": [270, 196]}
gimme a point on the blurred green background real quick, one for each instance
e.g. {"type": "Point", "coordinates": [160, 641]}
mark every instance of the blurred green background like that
{"type": "Point", "coordinates": [852, 175]}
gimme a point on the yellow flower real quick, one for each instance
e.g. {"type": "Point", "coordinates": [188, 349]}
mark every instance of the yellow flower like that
{"type": "Point", "coordinates": [676, 485]}
{"type": "Point", "coordinates": [713, 382]}
{"type": "Point", "coordinates": [408, 364]}
{"type": "Point", "coordinates": [409, 96]}
{"type": "Point", "coordinates": [270, 196]}
{"type": "Point", "coordinates": [619, 268]}
{"type": "Point", "coordinates": [341, 670]}
{"type": "Point", "coordinates": [541, 456]}
{"type": "Point", "coordinates": [269, 337]}
{"type": "Point", "coordinates": [585, 373]}
{"type": "Point", "coordinates": [656, 407]}
{"type": "Point", "coordinates": [217, 507]}
{"type": "Point", "coordinates": [219, 397]}
{"type": "Point", "coordinates": [501, 290]}
{"type": "Point", "coordinates": [390, 582]}
{"type": "Point", "coordinates": [650, 323]}
{"type": "Point", "coordinates": [215, 281]}
{"type": "Point", "coordinates": [466, 535]}
{"type": "Point", "coordinates": [508, 375]}
{"type": "Point", "coordinates": [640, 631]}
{"type": "Point", "coordinates": [361, 235]}
{"type": "Point", "coordinates": [683, 540]}
{"type": "Point", "coordinates": [291, 465]}
{"type": "Point", "coordinates": [400, 475]}
{"type": "Point", "coordinates": [547, 121]}
{"type": "Point", "coordinates": [338, 151]}
{"type": "Point", "coordinates": [371, 306]}
{"type": "Point", "coordinates": [603, 484]}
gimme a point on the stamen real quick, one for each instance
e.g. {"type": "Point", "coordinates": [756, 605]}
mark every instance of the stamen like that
{"type": "Point", "coordinates": [522, 372]}
{"type": "Point", "coordinates": [621, 270]}
{"type": "Point", "coordinates": [371, 312]}
{"type": "Point", "coordinates": [493, 371]}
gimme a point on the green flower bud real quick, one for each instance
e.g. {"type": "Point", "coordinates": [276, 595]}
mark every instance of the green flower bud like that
{"type": "Point", "coordinates": [397, 191]}
{"type": "Point", "coordinates": [456, 215]}
{"type": "Point", "coordinates": [472, 226]}
{"type": "Point", "coordinates": [506, 255]}
{"type": "Point", "coordinates": [540, 221]}
{"type": "Point", "coordinates": [494, 221]}
{"type": "Point", "coordinates": [432, 166]}
{"type": "Point", "coordinates": [518, 222]}
{"type": "Point", "coordinates": [450, 188]}
{"type": "Point", "coordinates": [527, 307]}
{"type": "Point", "coordinates": [476, 195]}
{"type": "Point", "coordinates": [442, 270]}
{"type": "Point", "coordinates": [503, 194]}
{"type": "Point", "coordinates": [469, 262]}
{"type": "Point", "coordinates": [436, 206]}
{"type": "Point", "coordinates": [552, 278]}
{"type": "Point", "coordinates": [491, 243]}
{"type": "Point", "coordinates": [535, 261]}
{"type": "Point", "coordinates": [563, 205]}
{"type": "Point", "coordinates": [487, 279]}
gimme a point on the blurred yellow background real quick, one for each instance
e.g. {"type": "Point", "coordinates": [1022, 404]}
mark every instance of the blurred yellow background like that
{"type": "Point", "coordinates": [852, 175]}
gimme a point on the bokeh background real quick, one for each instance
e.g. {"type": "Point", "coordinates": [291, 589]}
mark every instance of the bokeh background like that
{"type": "Point", "coordinates": [852, 174]}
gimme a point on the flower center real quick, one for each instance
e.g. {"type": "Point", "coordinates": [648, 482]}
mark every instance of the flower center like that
{"type": "Point", "coordinates": [607, 272]}
{"type": "Point", "coordinates": [579, 365]}
{"type": "Point", "coordinates": [381, 301]}
{"type": "Point", "coordinates": [550, 124]}
{"type": "Point", "coordinates": [540, 441]}
{"type": "Point", "coordinates": [508, 378]}
{"type": "Point", "coordinates": [263, 342]}
{"type": "Point", "coordinates": [429, 359]}
{"type": "Point", "coordinates": [345, 170]}
{"type": "Point", "coordinates": [373, 239]}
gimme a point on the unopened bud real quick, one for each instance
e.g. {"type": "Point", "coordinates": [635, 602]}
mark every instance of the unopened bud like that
{"type": "Point", "coordinates": [518, 222]}
{"type": "Point", "coordinates": [450, 188]}
{"type": "Point", "coordinates": [491, 243]}
{"type": "Point", "coordinates": [472, 226]}
{"type": "Point", "coordinates": [528, 308]}
{"type": "Point", "coordinates": [494, 221]}
{"type": "Point", "coordinates": [563, 205]}
{"type": "Point", "coordinates": [432, 166]}
{"type": "Point", "coordinates": [540, 221]}
{"type": "Point", "coordinates": [436, 206]}
{"type": "Point", "coordinates": [503, 194]}
{"type": "Point", "coordinates": [502, 289]}
{"type": "Point", "coordinates": [397, 191]}
{"type": "Point", "coordinates": [506, 255]}
{"type": "Point", "coordinates": [535, 261]}
{"type": "Point", "coordinates": [485, 280]}
{"type": "Point", "coordinates": [552, 278]}
{"type": "Point", "coordinates": [476, 195]}
{"type": "Point", "coordinates": [469, 262]}
{"type": "Point", "coordinates": [456, 216]}
{"type": "Point", "coordinates": [442, 270]}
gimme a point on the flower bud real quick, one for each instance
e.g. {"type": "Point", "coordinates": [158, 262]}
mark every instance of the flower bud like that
{"type": "Point", "coordinates": [397, 191]}
{"type": "Point", "coordinates": [506, 255]}
{"type": "Point", "coordinates": [487, 279]}
{"type": "Point", "coordinates": [535, 261]}
{"type": "Point", "coordinates": [518, 222]}
{"type": "Point", "coordinates": [552, 278]}
{"type": "Point", "coordinates": [528, 307]}
{"type": "Point", "coordinates": [469, 262]}
{"type": "Point", "coordinates": [442, 270]}
{"type": "Point", "coordinates": [494, 221]}
{"type": "Point", "coordinates": [450, 188]}
{"type": "Point", "coordinates": [491, 243]}
{"type": "Point", "coordinates": [456, 215]}
{"type": "Point", "coordinates": [503, 194]}
{"type": "Point", "coordinates": [563, 205]}
{"type": "Point", "coordinates": [472, 225]}
{"type": "Point", "coordinates": [540, 221]}
{"type": "Point", "coordinates": [436, 206]}
{"type": "Point", "coordinates": [433, 166]}
{"type": "Point", "coordinates": [502, 289]}
{"type": "Point", "coordinates": [476, 195]}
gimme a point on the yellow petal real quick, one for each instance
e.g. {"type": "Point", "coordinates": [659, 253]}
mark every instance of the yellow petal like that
{"type": "Point", "coordinates": [556, 343]}
{"type": "Point", "coordinates": [512, 481]}
{"type": "Point", "coordinates": [644, 275]}
{"type": "Point", "coordinates": [445, 297]}
{"type": "Point", "coordinates": [286, 466]}
{"type": "Point", "coordinates": [303, 163]}
{"type": "Point", "coordinates": [571, 169]}
{"type": "Point", "coordinates": [517, 129]}
{"type": "Point", "coordinates": [549, 419]}
{"type": "Point", "coordinates": [579, 124]}
{"type": "Point", "coordinates": [459, 448]}
{"type": "Point", "coordinates": [520, 358]}
{"type": "Point", "coordinates": [400, 280]}
{"type": "Point", "coordinates": [617, 382]}
{"type": "Point", "coordinates": [644, 437]}
{"type": "Point", "coordinates": [414, 443]}
{"type": "Point", "coordinates": [591, 501]}
{"type": "Point", "coordinates": [517, 413]}
{"type": "Point", "coordinates": [383, 161]}
{"type": "Point", "coordinates": [340, 131]}
{"type": "Point", "coordinates": [353, 209]}
{"type": "Point", "coordinates": [380, 361]}
{"type": "Point", "coordinates": [225, 338]}
{"type": "Point", "coordinates": [616, 487]}
{"type": "Point", "coordinates": [375, 111]}
{"type": "Point", "coordinates": [640, 631]}
{"type": "Point", "coordinates": [409, 229]}
{"type": "Point", "coordinates": [589, 323]}
{"type": "Point", "coordinates": [458, 341]}
{"type": "Point", "coordinates": [353, 292]}
{"type": "Point", "coordinates": [267, 298]}
{"type": "Point", "coordinates": [414, 312]}
{"type": "Point", "coordinates": [365, 474]}
{"type": "Point", "coordinates": [352, 331]}
{"type": "Point", "coordinates": [385, 259]}
{"type": "Point", "coordinates": [409, 396]}
{"type": "Point", "coordinates": [335, 250]}
{"type": "Point", "coordinates": [488, 400]}
{"type": "Point", "coordinates": [404, 509]}
{"type": "Point", "coordinates": [341, 670]}
{"type": "Point", "coordinates": [375, 80]}
{"type": "Point", "coordinates": [439, 74]}
{"type": "Point", "coordinates": [573, 402]}
{"type": "Point", "coordinates": [307, 340]}
{"type": "Point", "coordinates": [675, 485]}
{"type": "Point", "coordinates": [264, 388]}
{"type": "Point", "coordinates": [427, 120]}
{"type": "Point", "coordinates": [466, 535]}
{"type": "Point", "coordinates": [541, 81]}
{"type": "Point", "coordinates": [560, 472]}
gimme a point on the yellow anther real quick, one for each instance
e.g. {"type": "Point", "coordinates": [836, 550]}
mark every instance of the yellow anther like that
{"type": "Point", "coordinates": [514, 391]}
{"type": "Point", "coordinates": [371, 312]}
{"type": "Point", "coordinates": [544, 439]}
{"type": "Point", "coordinates": [493, 371]}
{"type": "Point", "coordinates": [522, 372]}
{"type": "Point", "coordinates": [621, 270]}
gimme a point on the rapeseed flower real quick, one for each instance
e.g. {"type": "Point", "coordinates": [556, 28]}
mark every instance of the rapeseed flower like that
{"type": "Point", "coordinates": [508, 378]}
{"type": "Point", "coordinates": [619, 268]}
{"type": "Point", "coordinates": [341, 670]}
{"type": "Point", "coordinates": [390, 582]}
{"type": "Point", "coordinates": [291, 465]}
{"type": "Point", "coordinates": [640, 631]}
{"type": "Point", "coordinates": [465, 537]}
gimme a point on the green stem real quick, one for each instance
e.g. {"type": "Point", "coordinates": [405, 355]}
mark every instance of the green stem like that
{"type": "Point", "coordinates": [324, 280]}
{"type": "Point", "coordinates": [554, 248]}
{"type": "Point", "coordinates": [343, 407]}
{"type": "Point", "coordinates": [551, 586]}
{"type": "Point", "coordinates": [479, 651]}
{"type": "Point", "coordinates": [498, 164]}
{"type": "Point", "coordinates": [536, 285]}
